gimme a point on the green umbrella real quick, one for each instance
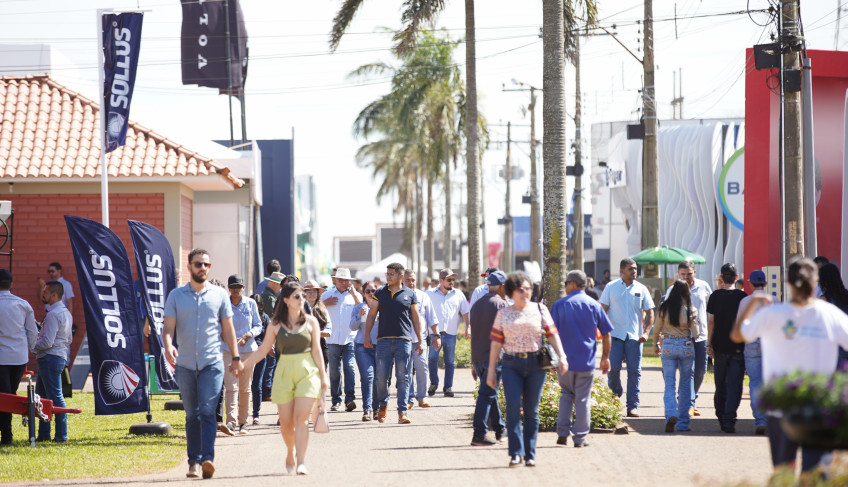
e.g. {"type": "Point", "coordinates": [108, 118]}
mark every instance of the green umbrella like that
{"type": "Point", "coordinates": [667, 255]}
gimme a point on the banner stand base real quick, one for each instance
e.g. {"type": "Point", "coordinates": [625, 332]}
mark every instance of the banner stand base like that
{"type": "Point", "coordinates": [152, 428]}
{"type": "Point", "coordinates": [175, 405]}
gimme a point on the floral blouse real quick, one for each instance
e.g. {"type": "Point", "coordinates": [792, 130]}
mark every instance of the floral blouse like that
{"type": "Point", "coordinates": [520, 331]}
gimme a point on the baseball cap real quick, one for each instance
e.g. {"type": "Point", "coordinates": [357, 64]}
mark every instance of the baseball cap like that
{"type": "Point", "coordinates": [235, 281]}
{"type": "Point", "coordinates": [728, 269]}
{"type": "Point", "coordinates": [5, 276]}
{"type": "Point", "coordinates": [496, 278]}
{"type": "Point", "coordinates": [446, 273]}
{"type": "Point", "coordinates": [757, 278]}
{"type": "Point", "coordinates": [488, 271]}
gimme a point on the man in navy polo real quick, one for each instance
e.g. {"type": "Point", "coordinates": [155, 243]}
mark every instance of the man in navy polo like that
{"type": "Point", "coordinates": [398, 309]}
{"type": "Point", "coordinates": [578, 319]}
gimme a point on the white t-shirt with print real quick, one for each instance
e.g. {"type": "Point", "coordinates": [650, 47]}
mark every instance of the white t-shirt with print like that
{"type": "Point", "coordinates": [798, 338]}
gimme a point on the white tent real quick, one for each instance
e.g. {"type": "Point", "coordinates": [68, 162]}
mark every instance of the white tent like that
{"type": "Point", "coordinates": [379, 269]}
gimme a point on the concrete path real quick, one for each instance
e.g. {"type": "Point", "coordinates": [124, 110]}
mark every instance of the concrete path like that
{"type": "Point", "coordinates": [434, 451]}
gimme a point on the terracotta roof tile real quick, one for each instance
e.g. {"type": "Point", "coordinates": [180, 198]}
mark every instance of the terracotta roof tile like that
{"type": "Point", "coordinates": [50, 131]}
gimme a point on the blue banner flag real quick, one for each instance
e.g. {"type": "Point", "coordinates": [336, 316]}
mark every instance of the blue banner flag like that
{"type": "Point", "coordinates": [121, 42]}
{"type": "Point", "coordinates": [157, 277]}
{"type": "Point", "coordinates": [112, 327]}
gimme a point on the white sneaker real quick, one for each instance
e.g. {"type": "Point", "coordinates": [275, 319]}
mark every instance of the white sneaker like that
{"type": "Point", "coordinates": [243, 429]}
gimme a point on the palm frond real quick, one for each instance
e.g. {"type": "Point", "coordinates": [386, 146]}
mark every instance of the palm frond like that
{"type": "Point", "coordinates": [342, 21]}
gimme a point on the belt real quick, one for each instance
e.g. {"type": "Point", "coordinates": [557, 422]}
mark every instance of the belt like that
{"type": "Point", "coordinates": [522, 354]}
{"type": "Point", "coordinates": [677, 338]}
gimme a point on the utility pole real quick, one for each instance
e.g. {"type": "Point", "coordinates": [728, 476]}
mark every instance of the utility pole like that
{"type": "Point", "coordinates": [677, 101]}
{"type": "Point", "coordinates": [793, 180]}
{"type": "Point", "coordinates": [577, 247]}
{"type": "Point", "coordinates": [650, 187]}
{"type": "Point", "coordinates": [838, 22]}
{"type": "Point", "coordinates": [508, 260]}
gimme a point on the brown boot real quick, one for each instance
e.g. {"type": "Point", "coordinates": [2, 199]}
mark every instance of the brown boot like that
{"type": "Point", "coordinates": [381, 414]}
{"type": "Point", "coordinates": [403, 418]}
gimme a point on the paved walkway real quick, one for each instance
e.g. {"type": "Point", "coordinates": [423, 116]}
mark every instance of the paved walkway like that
{"type": "Point", "coordinates": [434, 451]}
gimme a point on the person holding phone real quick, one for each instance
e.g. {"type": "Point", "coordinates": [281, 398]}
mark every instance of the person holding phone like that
{"type": "Point", "coordinates": [340, 302]}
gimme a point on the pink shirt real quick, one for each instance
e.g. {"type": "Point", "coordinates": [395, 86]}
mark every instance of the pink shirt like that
{"type": "Point", "coordinates": [520, 331]}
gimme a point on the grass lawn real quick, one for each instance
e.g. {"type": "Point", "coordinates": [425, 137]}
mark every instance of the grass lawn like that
{"type": "Point", "coordinates": [98, 446]}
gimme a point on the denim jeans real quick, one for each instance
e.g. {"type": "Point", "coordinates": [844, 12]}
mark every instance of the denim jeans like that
{"type": "Point", "coordinates": [628, 350]}
{"type": "Point", "coordinates": [486, 409]}
{"type": "Point", "coordinates": [200, 390]}
{"type": "Point", "coordinates": [366, 361]}
{"type": "Point", "coordinates": [268, 379]}
{"type": "Point", "coordinates": [256, 385]}
{"type": "Point", "coordinates": [341, 360]}
{"type": "Point", "coordinates": [49, 386]}
{"type": "Point", "coordinates": [729, 372]}
{"type": "Point", "coordinates": [419, 373]}
{"type": "Point", "coordinates": [576, 393]}
{"type": "Point", "coordinates": [754, 367]}
{"type": "Point", "coordinates": [393, 351]}
{"type": "Point", "coordinates": [678, 354]}
{"type": "Point", "coordinates": [523, 381]}
{"type": "Point", "coordinates": [449, 349]}
{"type": "Point", "coordinates": [700, 368]}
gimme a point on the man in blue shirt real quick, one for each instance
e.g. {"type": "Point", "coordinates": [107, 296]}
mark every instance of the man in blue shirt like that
{"type": "Point", "coordinates": [247, 325]}
{"type": "Point", "coordinates": [199, 315]}
{"type": "Point", "coordinates": [52, 349]}
{"type": "Point", "coordinates": [631, 312]}
{"type": "Point", "coordinates": [17, 337]}
{"type": "Point", "coordinates": [578, 319]}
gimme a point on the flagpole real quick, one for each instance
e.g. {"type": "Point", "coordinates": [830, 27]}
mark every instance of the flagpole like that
{"type": "Point", "coordinates": [104, 174]}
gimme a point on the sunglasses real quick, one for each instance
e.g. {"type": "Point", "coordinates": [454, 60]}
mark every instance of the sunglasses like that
{"type": "Point", "coordinates": [200, 265]}
{"type": "Point", "coordinates": [369, 291]}
{"type": "Point", "coordinates": [525, 290]}
{"type": "Point", "coordinates": [451, 279]}
{"type": "Point", "coordinates": [299, 296]}
{"type": "Point", "coordinates": [311, 291]}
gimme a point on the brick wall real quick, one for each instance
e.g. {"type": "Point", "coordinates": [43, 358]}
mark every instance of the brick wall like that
{"type": "Point", "coordinates": [186, 236]}
{"type": "Point", "coordinates": [41, 237]}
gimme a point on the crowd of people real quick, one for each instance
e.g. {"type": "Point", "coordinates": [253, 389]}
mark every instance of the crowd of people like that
{"type": "Point", "coordinates": [302, 346]}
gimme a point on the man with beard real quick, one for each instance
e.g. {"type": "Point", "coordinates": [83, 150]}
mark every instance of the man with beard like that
{"type": "Point", "coordinates": [450, 304]}
{"type": "Point", "coordinates": [52, 349]}
{"type": "Point", "coordinates": [198, 315]}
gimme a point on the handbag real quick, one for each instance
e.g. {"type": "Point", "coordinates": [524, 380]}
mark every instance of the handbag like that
{"type": "Point", "coordinates": [319, 417]}
{"type": "Point", "coordinates": [548, 358]}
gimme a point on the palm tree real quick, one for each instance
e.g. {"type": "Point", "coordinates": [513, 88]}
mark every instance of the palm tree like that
{"type": "Point", "coordinates": [414, 14]}
{"type": "Point", "coordinates": [555, 15]}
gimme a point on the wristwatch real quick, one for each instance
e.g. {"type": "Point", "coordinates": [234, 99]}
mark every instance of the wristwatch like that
{"type": "Point", "coordinates": [236, 358]}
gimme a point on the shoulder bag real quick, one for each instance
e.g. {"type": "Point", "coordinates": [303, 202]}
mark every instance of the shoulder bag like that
{"type": "Point", "coordinates": [548, 358]}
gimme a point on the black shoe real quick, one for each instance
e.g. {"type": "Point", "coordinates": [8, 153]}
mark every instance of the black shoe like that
{"type": "Point", "coordinates": [350, 406]}
{"type": "Point", "coordinates": [5, 442]}
{"type": "Point", "coordinates": [515, 461]}
{"type": "Point", "coordinates": [633, 413]}
{"type": "Point", "coordinates": [499, 437]}
{"type": "Point", "coordinates": [562, 440]}
{"type": "Point", "coordinates": [484, 441]}
{"type": "Point", "coordinates": [432, 389]}
{"type": "Point", "coordinates": [729, 429]}
{"type": "Point", "coordinates": [448, 391]}
{"type": "Point", "coordinates": [669, 425]}
{"type": "Point", "coordinates": [761, 430]}
{"type": "Point", "coordinates": [581, 445]}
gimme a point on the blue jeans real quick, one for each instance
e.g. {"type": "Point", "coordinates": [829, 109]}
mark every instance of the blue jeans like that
{"type": "Point", "coordinates": [629, 350]}
{"type": "Point", "coordinates": [393, 351]}
{"type": "Point", "coordinates": [419, 371]}
{"type": "Point", "coordinates": [268, 379]}
{"type": "Point", "coordinates": [256, 385]}
{"type": "Point", "coordinates": [486, 409]}
{"type": "Point", "coordinates": [49, 386]}
{"type": "Point", "coordinates": [200, 390]}
{"type": "Point", "coordinates": [449, 348]}
{"type": "Point", "coordinates": [576, 392]}
{"type": "Point", "coordinates": [366, 361]}
{"type": "Point", "coordinates": [729, 372]}
{"type": "Point", "coordinates": [754, 367]}
{"type": "Point", "coordinates": [523, 381]}
{"type": "Point", "coordinates": [341, 360]}
{"type": "Point", "coordinates": [700, 368]}
{"type": "Point", "coordinates": [678, 354]}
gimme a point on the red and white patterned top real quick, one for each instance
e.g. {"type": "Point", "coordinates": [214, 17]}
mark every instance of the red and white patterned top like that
{"type": "Point", "coordinates": [520, 331]}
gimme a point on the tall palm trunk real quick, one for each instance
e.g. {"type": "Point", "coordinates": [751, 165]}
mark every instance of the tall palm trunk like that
{"type": "Point", "coordinates": [553, 115]}
{"type": "Point", "coordinates": [447, 234]}
{"type": "Point", "coordinates": [419, 207]}
{"type": "Point", "coordinates": [473, 167]}
{"type": "Point", "coordinates": [431, 239]}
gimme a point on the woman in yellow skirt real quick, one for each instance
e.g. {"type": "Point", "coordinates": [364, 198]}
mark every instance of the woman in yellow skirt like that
{"type": "Point", "coordinates": [298, 382]}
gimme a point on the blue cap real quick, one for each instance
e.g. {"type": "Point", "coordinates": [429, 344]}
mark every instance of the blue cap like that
{"type": "Point", "coordinates": [496, 278]}
{"type": "Point", "coordinates": [757, 278]}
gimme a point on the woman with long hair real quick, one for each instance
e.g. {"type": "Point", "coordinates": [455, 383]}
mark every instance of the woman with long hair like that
{"type": "Point", "coordinates": [366, 358]}
{"type": "Point", "coordinates": [298, 380]}
{"type": "Point", "coordinates": [676, 324]}
{"type": "Point", "coordinates": [518, 331]}
{"type": "Point", "coordinates": [801, 335]}
{"type": "Point", "coordinates": [313, 299]}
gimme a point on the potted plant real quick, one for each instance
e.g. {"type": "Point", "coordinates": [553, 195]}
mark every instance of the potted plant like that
{"type": "Point", "coordinates": [814, 406]}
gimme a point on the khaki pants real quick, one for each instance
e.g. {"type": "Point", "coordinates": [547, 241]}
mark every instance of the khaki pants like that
{"type": "Point", "coordinates": [237, 386]}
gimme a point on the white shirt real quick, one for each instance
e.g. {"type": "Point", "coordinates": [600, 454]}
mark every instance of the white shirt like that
{"type": "Point", "coordinates": [340, 314]}
{"type": "Point", "coordinates": [17, 329]}
{"type": "Point", "coordinates": [69, 290]}
{"type": "Point", "coordinates": [426, 313]}
{"type": "Point", "coordinates": [478, 293]}
{"type": "Point", "coordinates": [798, 338]}
{"type": "Point", "coordinates": [700, 294]}
{"type": "Point", "coordinates": [448, 308]}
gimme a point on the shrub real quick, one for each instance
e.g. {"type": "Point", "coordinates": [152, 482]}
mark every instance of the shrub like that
{"type": "Point", "coordinates": [462, 356]}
